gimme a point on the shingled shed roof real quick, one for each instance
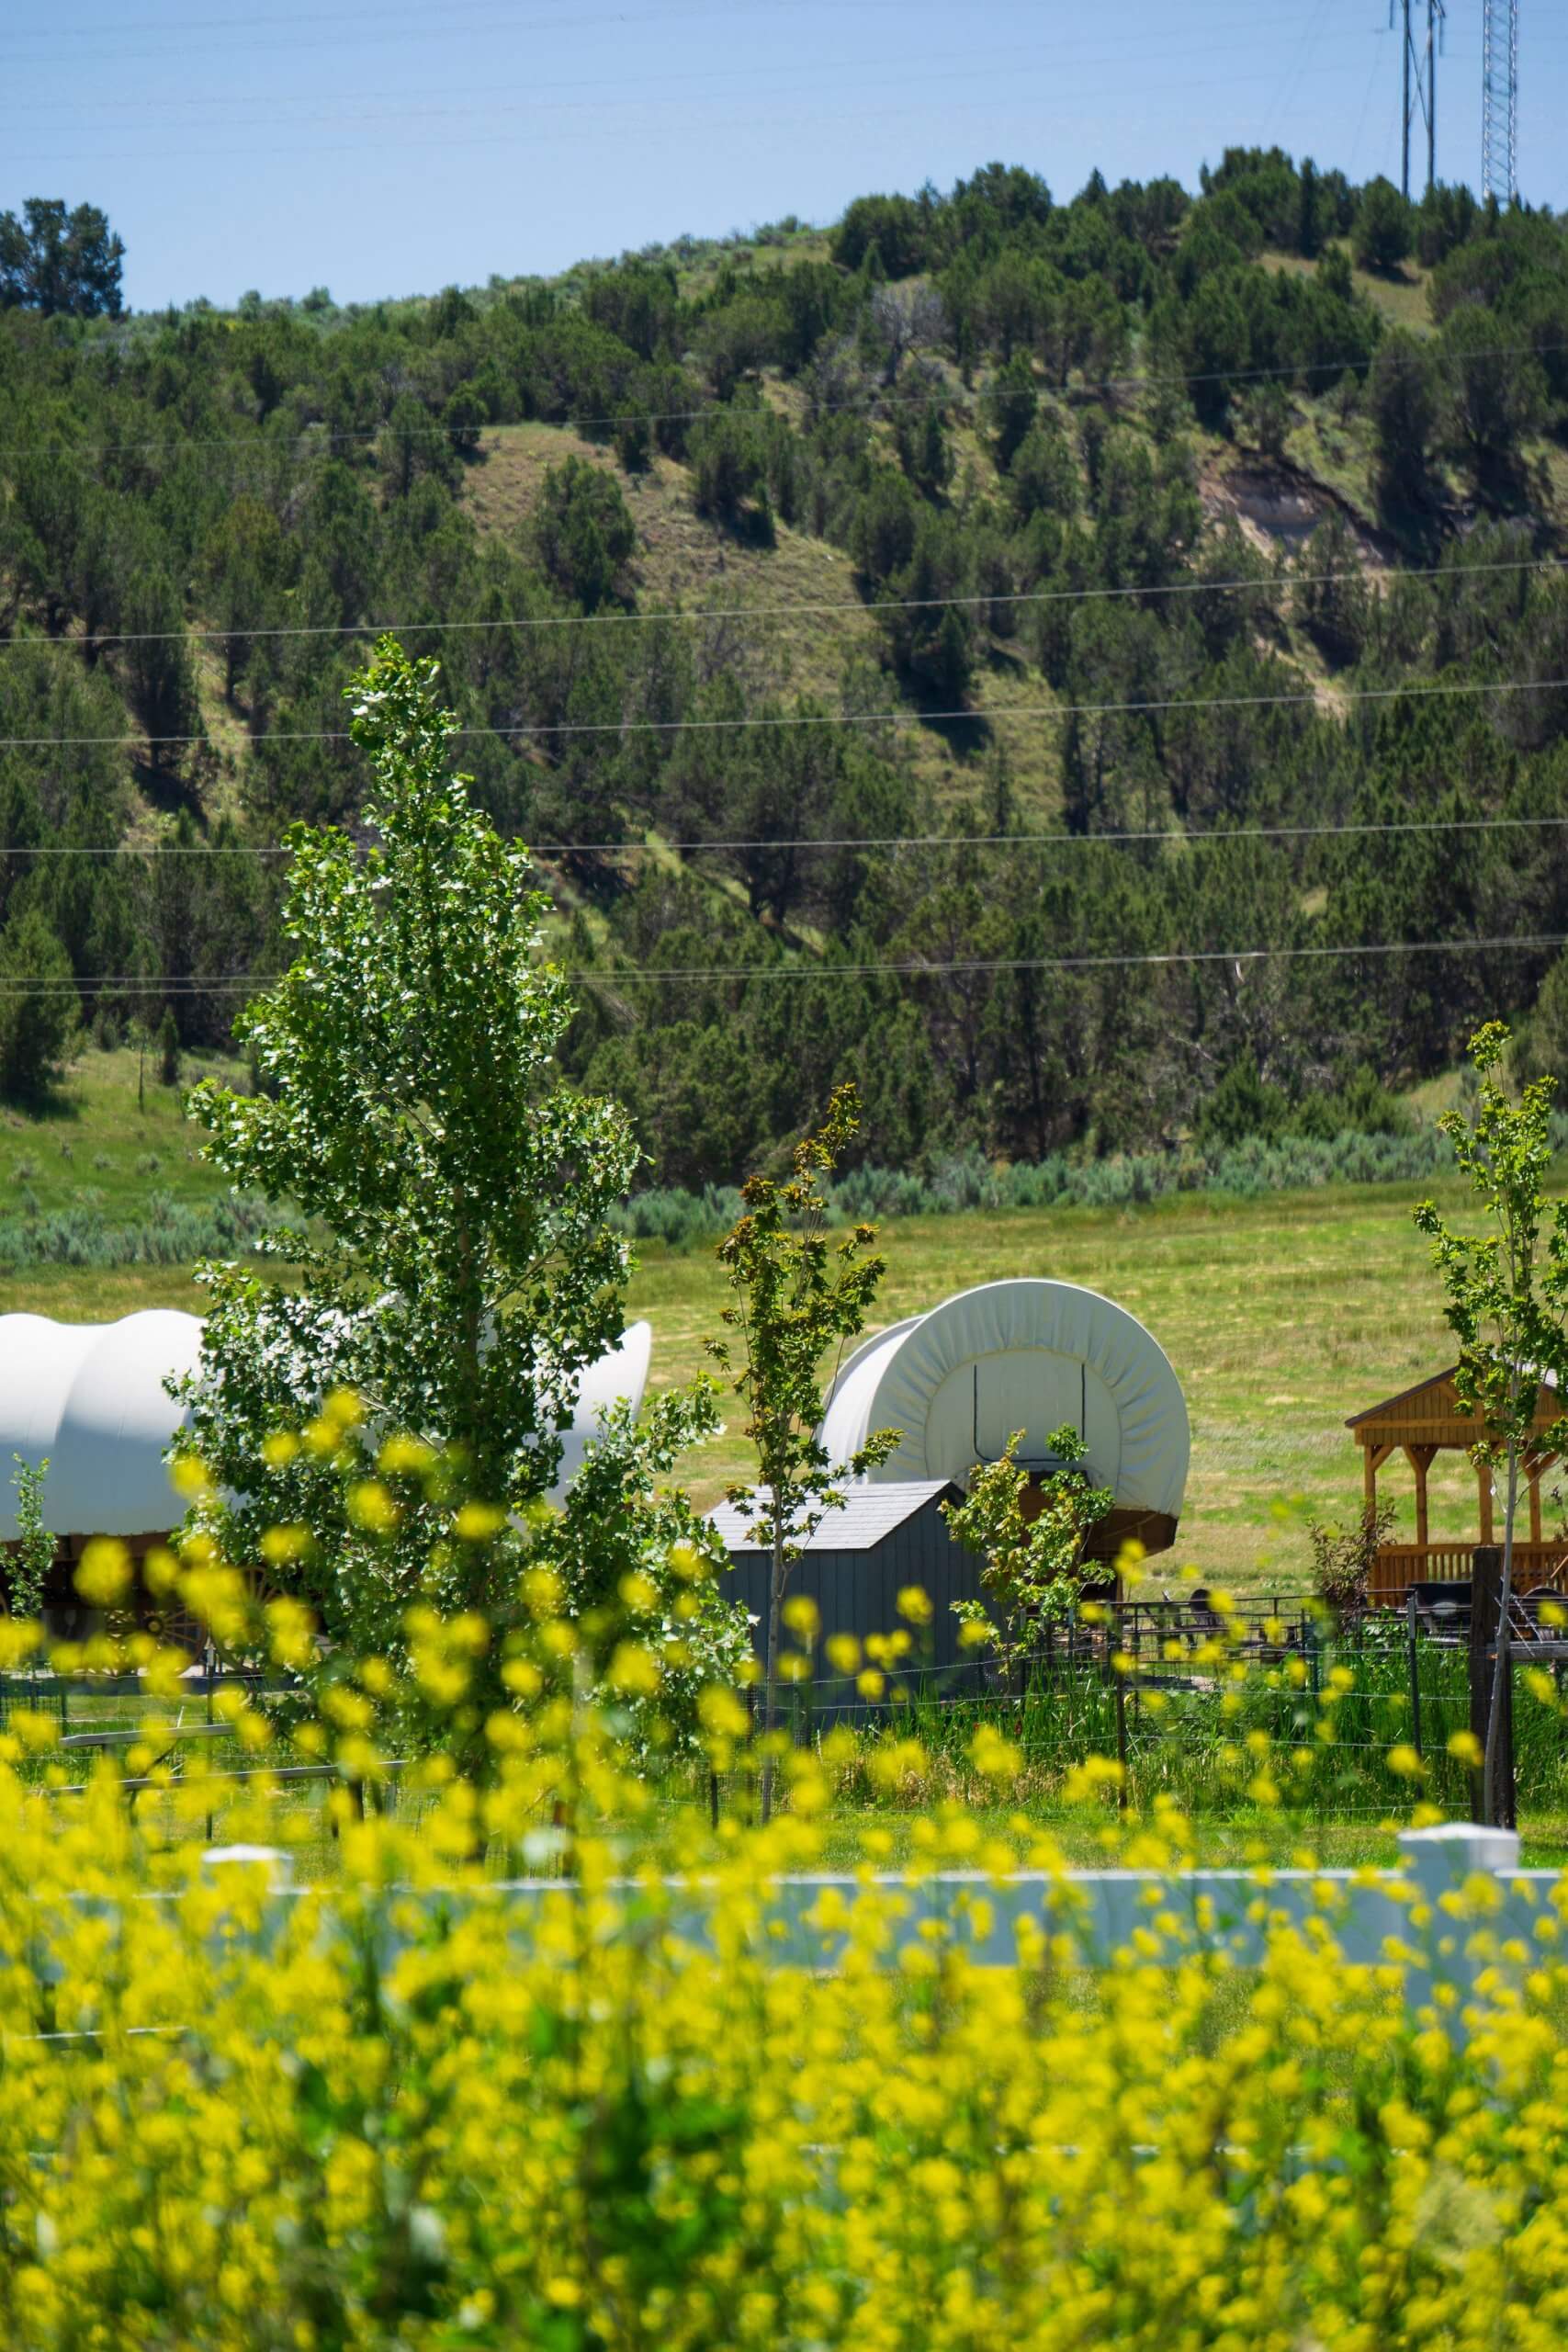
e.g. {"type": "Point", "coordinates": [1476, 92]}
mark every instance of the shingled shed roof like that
{"type": "Point", "coordinates": [870, 1515]}
{"type": "Point", "coordinates": [1430, 1414]}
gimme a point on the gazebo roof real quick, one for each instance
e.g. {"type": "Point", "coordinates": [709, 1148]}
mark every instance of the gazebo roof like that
{"type": "Point", "coordinates": [1431, 1414]}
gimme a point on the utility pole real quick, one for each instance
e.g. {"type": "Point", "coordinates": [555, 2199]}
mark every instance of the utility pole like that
{"type": "Point", "coordinates": [1500, 99]}
{"type": "Point", "coordinates": [1418, 65]}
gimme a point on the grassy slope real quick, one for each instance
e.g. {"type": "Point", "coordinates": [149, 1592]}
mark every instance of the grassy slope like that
{"type": "Point", "coordinates": [1400, 295]}
{"type": "Point", "coordinates": [95, 1139]}
{"type": "Point", "coordinates": [686, 561]}
{"type": "Point", "coordinates": [1280, 1316]}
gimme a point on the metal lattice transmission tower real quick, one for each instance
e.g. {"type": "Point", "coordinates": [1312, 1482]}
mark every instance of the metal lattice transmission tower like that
{"type": "Point", "coordinates": [1419, 64]}
{"type": "Point", "coordinates": [1500, 99]}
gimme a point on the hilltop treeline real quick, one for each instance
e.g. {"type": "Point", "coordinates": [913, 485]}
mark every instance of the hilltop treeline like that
{"type": "Point", "coordinates": [1022, 422]}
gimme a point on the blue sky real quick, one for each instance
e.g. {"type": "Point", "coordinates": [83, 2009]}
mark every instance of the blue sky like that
{"type": "Point", "coordinates": [393, 149]}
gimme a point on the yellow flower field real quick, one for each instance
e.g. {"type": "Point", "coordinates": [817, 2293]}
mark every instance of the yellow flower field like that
{"type": "Point", "coordinates": [412, 2108]}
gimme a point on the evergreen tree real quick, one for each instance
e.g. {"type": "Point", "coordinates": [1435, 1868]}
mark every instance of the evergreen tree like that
{"type": "Point", "coordinates": [53, 260]}
{"type": "Point", "coordinates": [39, 1005]}
{"type": "Point", "coordinates": [1403, 411]}
{"type": "Point", "coordinates": [1383, 231]}
{"type": "Point", "coordinates": [169, 1049]}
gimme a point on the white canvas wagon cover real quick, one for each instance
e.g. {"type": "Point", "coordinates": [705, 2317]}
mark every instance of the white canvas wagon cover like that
{"type": "Point", "coordinates": [89, 1398]}
{"type": "Point", "coordinates": [1024, 1354]}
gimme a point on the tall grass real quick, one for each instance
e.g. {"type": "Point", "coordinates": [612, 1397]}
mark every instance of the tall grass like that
{"type": "Point", "coordinates": [170, 1233]}
{"type": "Point", "coordinates": [968, 1179]}
{"type": "Point", "coordinates": [1325, 1733]}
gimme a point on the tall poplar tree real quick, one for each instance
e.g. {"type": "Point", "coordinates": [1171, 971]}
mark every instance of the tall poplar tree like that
{"type": "Point", "coordinates": [443, 1197]}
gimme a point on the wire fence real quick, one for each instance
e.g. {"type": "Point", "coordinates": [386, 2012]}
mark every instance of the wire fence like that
{"type": "Point", "coordinates": [1219, 1710]}
{"type": "Point", "coordinates": [1265, 1703]}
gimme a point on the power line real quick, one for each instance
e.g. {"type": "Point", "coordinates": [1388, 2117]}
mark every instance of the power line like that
{"type": "Point", "coordinates": [644, 128]}
{"type": "Point", "coordinates": [255, 447]}
{"type": "Point", "coordinates": [508, 98]}
{"type": "Point", "coordinates": [544, 96]}
{"type": "Point", "coordinates": [24, 984]}
{"type": "Point", "coordinates": [386, 20]}
{"type": "Point", "coordinates": [1200, 839]}
{"type": "Point", "coordinates": [422, 31]}
{"type": "Point", "coordinates": [774, 721]}
{"type": "Point", "coordinates": [1071, 962]}
{"type": "Point", "coordinates": [656, 102]}
{"type": "Point", "coordinates": [1268, 582]}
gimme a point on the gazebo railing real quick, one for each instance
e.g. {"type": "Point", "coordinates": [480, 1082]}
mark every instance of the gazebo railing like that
{"type": "Point", "coordinates": [1400, 1566]}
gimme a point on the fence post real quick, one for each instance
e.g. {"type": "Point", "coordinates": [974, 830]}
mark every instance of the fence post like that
{"type": "Point", "coordinates": [1120, 1735]}
{"type": "Point", "coordinates": [1486, 1631]}
{"type": "Point", "coordinates": [1441, 1860]}
{"type": "Point", "coordinates": [1414, 1673]}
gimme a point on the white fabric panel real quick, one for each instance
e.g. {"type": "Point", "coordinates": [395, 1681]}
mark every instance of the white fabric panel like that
{"type": "Point", "coordinates": [623, 1374]}
{"type": "Point", "coordinates": [981, 1403]}
{"type": "Point", "coordinates": [845, 1423]}
{"type": "Point", "coordinates": [90, 1396]}
{"type": "Point", "coordinates": [38, 1359]}
{"type": "Point", "coordinates": [1024, 1354]}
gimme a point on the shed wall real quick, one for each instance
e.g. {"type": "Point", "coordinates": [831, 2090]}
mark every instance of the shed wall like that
{"type": "Point", "coordinates": [857, 1592]}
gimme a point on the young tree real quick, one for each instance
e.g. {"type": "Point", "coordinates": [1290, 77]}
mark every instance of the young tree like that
{"type": "Point", "coordinates": [31, 1563]}
{"type": "Point", "coordinates": [1507, 1297]}
{"type": "Point", "coordinates": [452, 1263]}
{"type": "Point", "coordinates": [1344, 1556]}
{"type": "Point", "coordinates": [798, 1294]}
{"type": "Point", "coordinates": [1033, 1563]}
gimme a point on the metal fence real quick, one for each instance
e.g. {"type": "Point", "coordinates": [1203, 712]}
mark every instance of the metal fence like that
{"type": "Point", "coordinates": [1458, 1909]}
{"type": "Point", "coordinates": [1267, 1696]}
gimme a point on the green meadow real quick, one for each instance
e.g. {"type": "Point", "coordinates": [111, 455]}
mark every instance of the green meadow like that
{"type": "Point", "coordinates": [1282, 1315]}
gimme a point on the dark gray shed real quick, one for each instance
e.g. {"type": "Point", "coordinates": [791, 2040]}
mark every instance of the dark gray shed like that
{"type": "Point", "coordinates": [859, 1561]}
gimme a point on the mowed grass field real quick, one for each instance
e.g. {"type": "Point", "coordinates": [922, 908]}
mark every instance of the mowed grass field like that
{"type": "Point", "coordinates": [1282, 1316]}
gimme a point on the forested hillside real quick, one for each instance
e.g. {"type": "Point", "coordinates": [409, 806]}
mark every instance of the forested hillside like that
{"type": "Point", "coordinates": [813, 604]}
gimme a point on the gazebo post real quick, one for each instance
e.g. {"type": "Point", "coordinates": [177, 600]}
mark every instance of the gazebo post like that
{"type": "Point", "coordinates": [1483, 1477]}
{"type": "Point", "coordinates": [1420, 1459]}
{"type": "Point", "coordinates": [1536, 1466]}
{"type": "Point", "coordinates": [1372, 1459]}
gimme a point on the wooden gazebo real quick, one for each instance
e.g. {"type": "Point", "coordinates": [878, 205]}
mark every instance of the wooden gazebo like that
{"type": "Point", "coordinates": [1421, 1423]}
